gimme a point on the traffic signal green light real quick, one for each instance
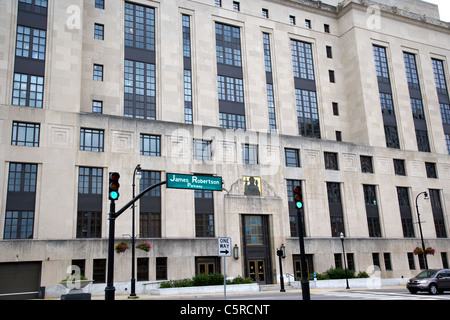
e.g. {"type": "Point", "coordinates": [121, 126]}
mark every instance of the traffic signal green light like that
{"type": "Point", "coordinates": [298, 197]}
{"type": "Point", "coordinates": [114, 185]}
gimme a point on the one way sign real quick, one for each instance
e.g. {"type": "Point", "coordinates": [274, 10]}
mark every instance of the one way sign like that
{"type": "Point", "coordinates": [224, 246]}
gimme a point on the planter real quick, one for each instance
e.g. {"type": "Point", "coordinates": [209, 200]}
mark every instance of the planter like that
{"type": "Point", "coordinates": [75, 292]}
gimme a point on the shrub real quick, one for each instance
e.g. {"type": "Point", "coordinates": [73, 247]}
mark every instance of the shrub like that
{"type": "Point", "coordinates": [339, 273]}
{"type": "Point", "coordinates": [363, 274]}
{"type": "Point", "coordinates": [240, 280]}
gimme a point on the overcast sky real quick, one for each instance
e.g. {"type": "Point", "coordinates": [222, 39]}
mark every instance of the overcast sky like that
{"type": "Point", "coordinates": [444, 8]}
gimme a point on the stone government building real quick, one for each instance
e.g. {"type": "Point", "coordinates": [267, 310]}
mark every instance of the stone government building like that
{"type": "Point", "coordinates": [349, 100]}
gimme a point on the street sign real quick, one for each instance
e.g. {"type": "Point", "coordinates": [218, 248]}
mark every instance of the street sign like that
{"type": "Point", "coordinates": [195, 182]}
{"type": "Point", "coordinates": [224, 247]}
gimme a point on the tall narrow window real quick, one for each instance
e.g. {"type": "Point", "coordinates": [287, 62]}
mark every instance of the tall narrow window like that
{"type": "Point", "coordinates": [386, 101]}
{"type": "Point", "coordinates": [20, 201]}
{"type": "Point", "coordinates": [305, 89]}
{"type": "Point", "coordinates": [140, 81]}
{"type": "Point", "coordinates": [415, 94]}
{"type": "Point", "coordinates": [187, 61]}
{"type": "Point", "coordinates": [443, 97]}
{"type": "Point", "coordinates": [269, 81]}
{"type": "Point", "coordinates": [230, 77]}
{"type": "Point", "coordinates": [89, 217]}
{"type": "Point", "coordinates": [405, 212]}
{"type": "Point", "coordinates": [373, 219]}
{"type": "Point", "coordinates": [335, 207]}
{"type": "Point", "coordinates": [150, 206]}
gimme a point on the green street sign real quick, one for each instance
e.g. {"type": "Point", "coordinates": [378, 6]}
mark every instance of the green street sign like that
{"type": "Point", "coordinates": [194, 182]}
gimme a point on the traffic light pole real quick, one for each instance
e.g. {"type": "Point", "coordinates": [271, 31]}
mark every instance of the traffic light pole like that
{"type": "Point", "coordinates": [304, 282]}
{"type": "Point", "coordinates": [110, 289]}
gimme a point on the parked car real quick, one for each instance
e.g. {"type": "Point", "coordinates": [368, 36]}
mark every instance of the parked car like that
{"type": "Point", "coordinates": [432, 280]}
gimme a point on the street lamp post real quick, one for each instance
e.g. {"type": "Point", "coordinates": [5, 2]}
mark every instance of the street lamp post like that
{"type": "Point", "coordinates": [345, 261]}
{"type": "Point", "coordinates": [281, 253]}
{"type": "Point", "coordinates": [420, 226]}
{"type": "Point", "coordinates": [133, 280]}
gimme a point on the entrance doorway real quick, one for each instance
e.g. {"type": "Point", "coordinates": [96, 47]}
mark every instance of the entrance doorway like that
{"type": "Point", "coordinates": [256, 270]}
{"type": "Point", "coordinates": [256, 240]}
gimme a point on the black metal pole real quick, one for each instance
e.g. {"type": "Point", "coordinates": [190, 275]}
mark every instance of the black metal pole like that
{"type": "Point", "coordinates": [110, 290]}
{"type": "Point", "coordinates": [305, 283]}
{"type": "Point", "coordinates": [133, 236]}
{"type": "Point", "coordinates": [279, 254]}
{"type": "Point", "coordinates": [420, 229]}
{"type": "Point", "coordinates": [345, 260]}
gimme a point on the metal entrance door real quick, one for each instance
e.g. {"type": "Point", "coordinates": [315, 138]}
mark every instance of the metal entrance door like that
{"type": "Point", "coordinates": [257, 270]}
{"type": "Point", "coordinates": [255, 234]}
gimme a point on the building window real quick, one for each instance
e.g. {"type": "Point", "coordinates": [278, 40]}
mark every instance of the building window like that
{"type": "Point", "coordinates": [291, 157]}
{"type": "Point", "coordinates": [100, 4]}
{"type": "Point", "coordinates": [30, 43]}
{"type": "Point", "coordinates": [292, 20]}
{"type": "Point", "coordinates": [302, 60]}
{"type": "Point", "coordinates": [20, 201]}
{"type": "Point", "coordinates": [366, 164]}
{"type": "Point", "coordinates": [98, 72]}
{"type": "Point", "coordinates": [250, 154]}
{"type": "Point", "coordinates": [99, 31]}
{"type": "Point", "coordinates": [28, 90]}
{"type": "Point", "coordinates": [308, 23]}
{"type": "Point", "coordinates": [99, 271]}
{"type": "Point", "coordinates": [150, 225]}
{"type": "Point", "coordinates": [326, 28]}
{"type": "Point", "coordinates": [335, 208]}
{"type": "Point", "coordinates": [140, 90]}
{"type": "Point", "coordinates": [431, 170]}
{"type": "Point", "coordinates": [97, 106]}
{"type": "Point", "coordinates": [142, 269]}
{"type": "Point", "coordinates": [25, 134]}
{"type": "Point", "coordinates": [202, 150]}
{"type": "Point", "coordinates": [218, 3]}
{"type": "Point", "coordinates": [267, 54]}
{"type": "Point", "coordinates": [228, 45]}
{"type": "Point", "coordinates": [89, 217]}
{"type": "Point", "coordinates": [90, 180]}
{"type": "Point", "coordinates": [236, 6]}
{"type": "Point", "coordinates": [271, 108]}
{"type": "Point", "coordinates": [91, 140]}
{"type": "Point", "coordinates": [439, 76]}
{"type": "Point", "coordinates": [150, 145]}
{"type": "Point", "coordinates": [204, 225]}
{"type": "Point", "coordinates": [139, 27]}
{"type": "Point", "coordinates": [411, 70]}
{"type": "Point", "coordinates": [381, 64]}
{"type": "Point", "coordinates": [232, 121]}
{"type": "Point", "coordinates": [22, 177]}
{"type": "Point", "coordinates": [387, 261]}
{"type": "Point", "coordinates": [405, 212]}
{"type": "Point", "coordinates": [186, 22]}
{"type": "Point", "coordinates": [438, 214]}
{"type": "Point", "coordinates": [373, 219]}
{"type": "Point", "coordinates": [161, 268]}
{"type": "Point", "coordinates": [265, 13]}
{"type": "Point", "coordinates": [391, 134]}
{"type": "Point", "coordinates": [329, 52]}
{"type": "Point", "coordinates": [307, 113]}
{"type": "Point", "coordinates": [331, 76]}
{"type": "Point", "coordinates": [399, 167]}
{"type": "Point", "coordinates": [331, 161]}
{"type": "Point", "coordinates": [230, 89]}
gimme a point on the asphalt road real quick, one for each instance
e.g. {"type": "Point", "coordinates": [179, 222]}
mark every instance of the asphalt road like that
{"type": "Point", "coordinates": [328, 294]}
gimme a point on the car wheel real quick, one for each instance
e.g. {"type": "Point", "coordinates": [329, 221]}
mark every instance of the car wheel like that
{"type": "Point", "coordinates": [433, 289]}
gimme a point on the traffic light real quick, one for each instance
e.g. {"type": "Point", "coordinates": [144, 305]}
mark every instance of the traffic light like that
{"type": "Point", "coordinates": [114, 185]}
{"type": "Point", "coordinates": [298, 197]}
